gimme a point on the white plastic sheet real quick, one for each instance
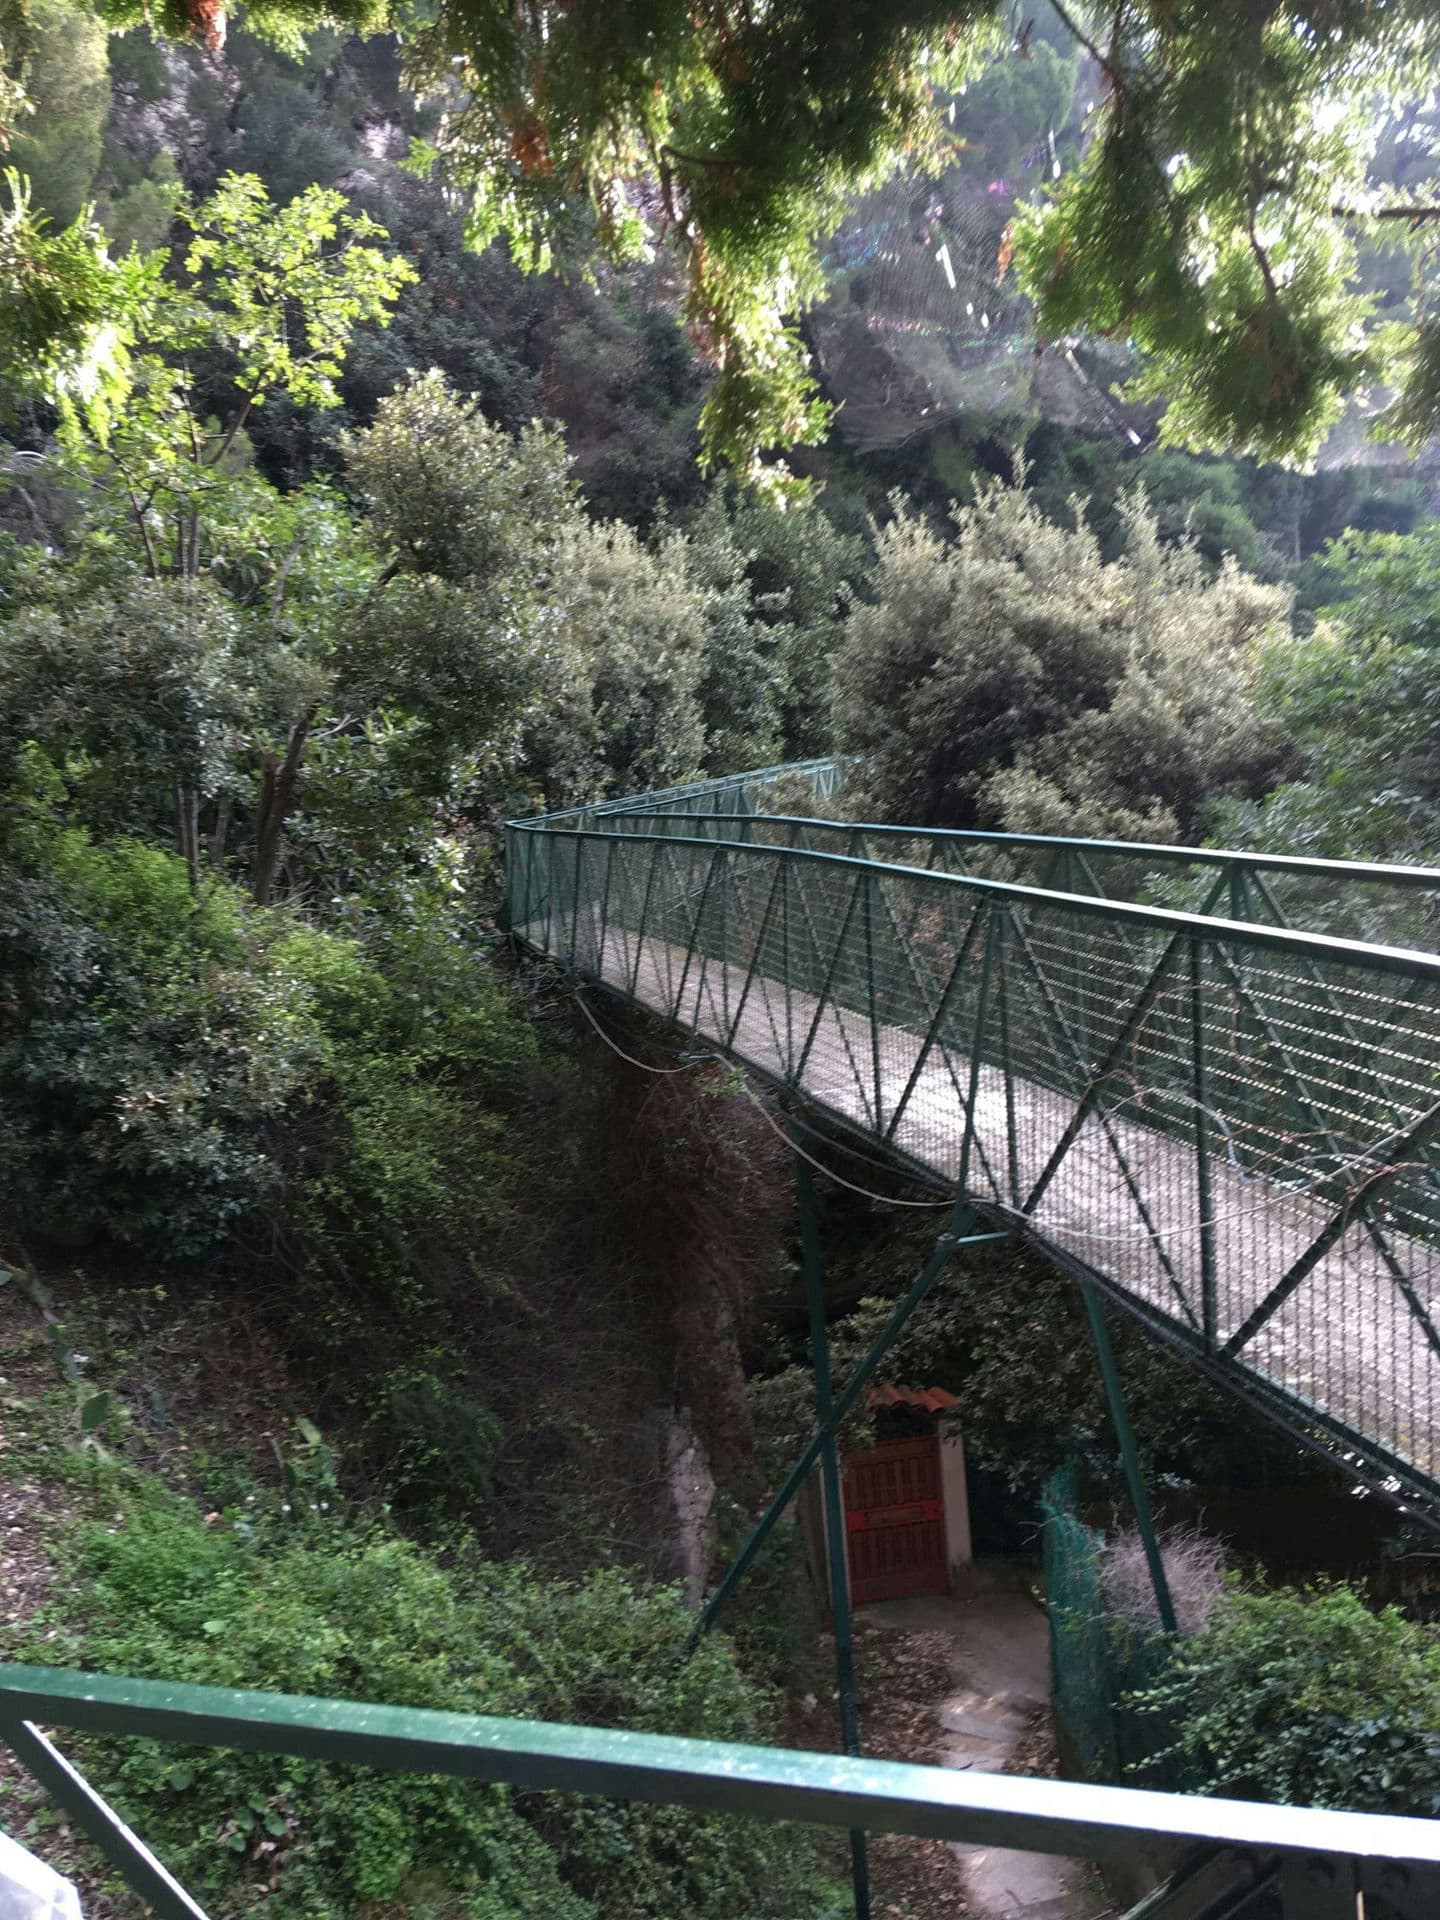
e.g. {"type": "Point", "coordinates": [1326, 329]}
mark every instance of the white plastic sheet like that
{"type": "Point", "coordinates": [29, 1890]}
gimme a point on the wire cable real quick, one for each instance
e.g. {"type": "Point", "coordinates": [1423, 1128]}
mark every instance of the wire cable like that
{"type": "Point", "coordinates": [880, 1199]}
{"type": "Point", "coordinates": [1020, 1218]}
{"type": "Point", "coordinates": [629, 1058]}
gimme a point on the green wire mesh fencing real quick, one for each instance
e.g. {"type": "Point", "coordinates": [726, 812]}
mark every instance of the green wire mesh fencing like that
{"type": "Point", "coordinates": [1096, 1662]}
{"type": "Point", "coordinates": [1233, 1126]}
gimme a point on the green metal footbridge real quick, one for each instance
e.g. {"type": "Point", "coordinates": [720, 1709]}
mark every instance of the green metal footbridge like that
{"type": "Point", "coordinates": [1206, 1084]}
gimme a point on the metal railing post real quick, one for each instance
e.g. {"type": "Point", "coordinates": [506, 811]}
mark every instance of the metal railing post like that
{"type": "Point", "coordinates": [1200, 1093]}
{"type": "Point", "coordinates": [133, 1860]}
{"type": "Point", "coordinates": [987, 969]}
{"type": "Point", "coordinates": [835, 1534]}
{"type": "Point", "coordinates": [1007, 1066]}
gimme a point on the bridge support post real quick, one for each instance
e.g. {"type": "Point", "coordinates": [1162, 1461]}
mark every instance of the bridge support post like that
{"type": "Point", "coordinates": [835, 1535]}
{"type": "Point", "coordinates": [1125, 1434]}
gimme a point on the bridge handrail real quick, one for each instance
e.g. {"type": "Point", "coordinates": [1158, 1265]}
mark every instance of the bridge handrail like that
{"type": "Point", "coordinates": [1411, 961]}
{"type": "Point", "coordinates": [686, 790]}
{"type": "Point", "coordinates": [1387, 873]}
{"type": "Point", "coordinates": [1394, 1854]}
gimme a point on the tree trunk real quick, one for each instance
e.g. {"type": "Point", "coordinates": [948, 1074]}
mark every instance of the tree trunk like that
{"type": "Point", "coordinates": [279, 782]}
{"type": "Point", "coordinates": [221, 832]}
{"type": "Point", "coordinates": [187, 830]}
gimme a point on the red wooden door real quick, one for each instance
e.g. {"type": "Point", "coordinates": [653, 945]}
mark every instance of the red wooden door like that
{"type": "Point", "coordinates": [894, 1522]}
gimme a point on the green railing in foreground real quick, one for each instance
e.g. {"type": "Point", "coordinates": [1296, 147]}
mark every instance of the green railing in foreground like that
{"type": "Point", "coordinates": [1309, 1864]}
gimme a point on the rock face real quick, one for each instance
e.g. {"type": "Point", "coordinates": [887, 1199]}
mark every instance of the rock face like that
{"type": "Point", "coordinates": [692, 1488]}
{"type": "Point", "coordinates": [29, 1890]}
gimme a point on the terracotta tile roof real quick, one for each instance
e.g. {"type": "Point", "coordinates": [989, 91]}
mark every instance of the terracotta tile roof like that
{"type": "Point", "coordinates": [930, 1399]}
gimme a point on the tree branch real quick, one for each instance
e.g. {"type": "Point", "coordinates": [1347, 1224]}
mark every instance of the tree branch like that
{"type": "Point", "coordinates": [138, 508]}
{"type": "Point", "coordinates": [1416, 215]}
{"type": "Point", "coordinates": [222, 830]}
{"type": "Point", "coordinates": [187, 830]}
{"type": "Point", "coordinates": [1262, 260]}
{"type": "Point", "coordinates": [1116, 78]}
{"type": "Point", "coordinates": [701, 159]}
{"type": "Point", "coordinates": [277, 797]}
{"type": "Point", "coordinates": [236, 424]}
{"type": "Point", "coordinates": [282, 574]}
{"type": "Point", "coordinates": [34, 511]}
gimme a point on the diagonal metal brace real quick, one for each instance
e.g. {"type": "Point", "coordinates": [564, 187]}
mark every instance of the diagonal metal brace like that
{"type": "Point", "coordinates": [1345, 1217]}
{"type": "Point", "coordinates": [956, 1236]}
{"type": "Point", "coordinates": [139, 1868]}
{"type": "Point", "coordinates": [1134, 1020]}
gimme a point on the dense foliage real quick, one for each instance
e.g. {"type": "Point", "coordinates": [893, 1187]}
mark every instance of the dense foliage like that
{"type": "Point", "coordinates": [1359, 695]}
{"type": "Point", "coordinates": [1209, 211]}
{"type": "Point", "coordinates": [1008, 676]}
{"type": "Point", "coordinates": [293, 1596]}
{"type": "Point", "coordinates": [1309, 1699]}
{"type": "Point", "coordinates": [1213, 217]}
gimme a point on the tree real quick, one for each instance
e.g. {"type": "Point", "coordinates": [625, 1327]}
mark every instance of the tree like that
{"type": "Point", "coordinates": [1014, 107]}
{"type": "Point", "coordinates": [1009, 677]}
{"type": "Point", "coordinates": [473, 527]}
{"type": "Point", "coordinates": [17, 41]}
{"type": "Point", "coordinates": [1361, 696]}
{"type": "Point", "coordinates": [736, 132]}
{"type": "Point", "coordinates": [624, 710]}
{"type": "Point", "coordinates": [1214, 220]}
{"type": "Point", "coordinates": [799, 566]}
{"type": "Point", "coordinates": [271, 293]}
{"type": "Point", "coordinates": [68, 78]}
{"type": "Point", "coordinates": [450, 494]}
{"type": "Point", "coordinates": [264, 303]}
{"type": "Point", "coordinates": [744, 674]}
{"type": "Point", "coordinates": [137, 693]}
{"type": "Point", "coordinates": [1383, 586]}
{"type": "Point", "coordinates": [66, 310]}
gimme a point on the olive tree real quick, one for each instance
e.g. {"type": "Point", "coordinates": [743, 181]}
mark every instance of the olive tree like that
{"type": "Point", "coordinates": [1003, 674]}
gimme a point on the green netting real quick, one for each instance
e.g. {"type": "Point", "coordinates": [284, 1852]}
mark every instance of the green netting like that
{"type": "Point", "coordinates": [1096, 1661]}
{"type": "Point", "coordinates": [1082, 1685]}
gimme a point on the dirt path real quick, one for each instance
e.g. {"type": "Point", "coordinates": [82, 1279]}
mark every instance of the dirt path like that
{"type": "Point", "coordinates": [988, 1712]}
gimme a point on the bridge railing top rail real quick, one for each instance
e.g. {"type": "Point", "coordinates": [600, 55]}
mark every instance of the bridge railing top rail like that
{"type": "Point", "coordinates": [1337, 1850]}
{"type": "Point", "coordinates": [1388, 873]}
{"type": "Point", "coordinates": [818, 772]}
{"type": "Point", "coordinates": [1412, 962]}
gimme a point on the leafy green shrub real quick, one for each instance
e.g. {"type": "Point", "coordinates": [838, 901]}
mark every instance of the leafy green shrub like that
{"type": "Point", "coordinates": [1006, 675]}
{"type": "Point", "coordinates": [1310, 1698]}
{"type": "Point", "coordinates": [145, 1046]}
{"type": "Point", "coordinates": [602, 1653]}
{"type": "Point", "coordinates": [175, 1061]}
{"type": "Point", "coordinates": [437, 1443]}
{"type": "Point", "coordinates": [397, 1149]}
{"type": "Point", "coordinates": [355, 1614]}
{"type": "Point", "coordinates": [366, 1617]}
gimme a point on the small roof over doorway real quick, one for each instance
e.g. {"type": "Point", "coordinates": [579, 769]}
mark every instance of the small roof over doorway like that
{"type": "Point", "coordinates": [928, 1399]}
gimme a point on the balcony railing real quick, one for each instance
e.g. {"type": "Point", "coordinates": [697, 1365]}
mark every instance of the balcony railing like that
{"type": "Point", "coordinates": [1232, 1859]}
